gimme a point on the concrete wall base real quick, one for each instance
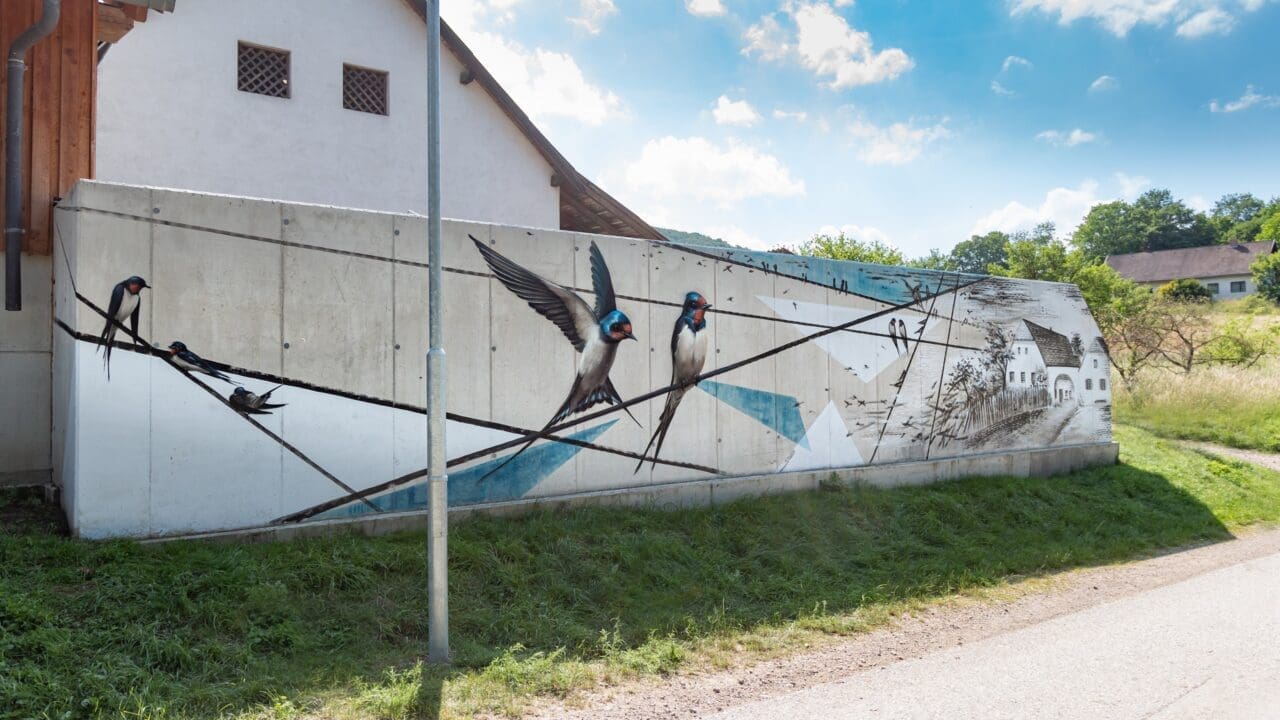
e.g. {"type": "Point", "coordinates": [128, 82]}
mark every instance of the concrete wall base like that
{"type": "Point", "coordinates": [1044, 462]}
{"type": "Point", "coordinates": [26, 478]}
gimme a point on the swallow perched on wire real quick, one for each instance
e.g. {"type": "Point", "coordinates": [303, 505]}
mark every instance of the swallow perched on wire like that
{"type": "Point", "coordinates": [688, 353]}
{"type": "Point", "coordinates": [253, 404]}
{"type": "Point", "coordinates": [902, 333]}
{"type": "Point", "coordinates": [594, 333]}
{"type": "Point", "coordinates": [125, 303]}
{"type": "Point", "coordinates": [893, 335]}
{"type": "Point", "coordinates": [191, 362]}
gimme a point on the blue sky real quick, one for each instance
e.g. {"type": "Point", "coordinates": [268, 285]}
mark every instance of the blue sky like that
{"type": "Point", "coordinates": [912, 122]}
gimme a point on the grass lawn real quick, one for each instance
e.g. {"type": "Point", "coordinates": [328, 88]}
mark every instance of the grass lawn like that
{"type": "Point", "coordinates": [556, 602]}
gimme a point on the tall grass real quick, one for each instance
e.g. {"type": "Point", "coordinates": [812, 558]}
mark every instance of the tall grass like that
{"type": "Point", "coordinates": [1232, 406]}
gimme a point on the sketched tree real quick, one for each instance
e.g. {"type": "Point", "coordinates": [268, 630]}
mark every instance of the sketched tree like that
{"type": "Point", "coordinates": [997, 354]}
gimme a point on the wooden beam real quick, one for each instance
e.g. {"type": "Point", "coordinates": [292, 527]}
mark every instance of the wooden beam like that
{"type": "Point", "coordinates": [113, 23]}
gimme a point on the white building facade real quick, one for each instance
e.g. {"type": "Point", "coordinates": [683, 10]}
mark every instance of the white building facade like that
{"type": "Point", "coordinates": [1072, 372]}
{"type": "Point", "coordinates": [171, 114]}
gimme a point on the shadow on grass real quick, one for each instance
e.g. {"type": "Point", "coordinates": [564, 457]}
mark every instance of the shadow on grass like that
{"type": "Point", "coordinates": [204, 630]}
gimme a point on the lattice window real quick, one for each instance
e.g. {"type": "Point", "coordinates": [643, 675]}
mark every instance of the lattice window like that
{"type": "Point", "coordinates": [364, 90]}
{"type": "Point", "coordinates": [264, 71]}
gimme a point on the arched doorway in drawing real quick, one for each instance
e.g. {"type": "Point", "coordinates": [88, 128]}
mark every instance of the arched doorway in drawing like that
{"type": "Point", "coordinates": [1063, 388]}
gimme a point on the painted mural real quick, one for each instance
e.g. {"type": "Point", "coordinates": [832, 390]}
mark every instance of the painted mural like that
{"type": "Point", "coordinates": [726, 362]}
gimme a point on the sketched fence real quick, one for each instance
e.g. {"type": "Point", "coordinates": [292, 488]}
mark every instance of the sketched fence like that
{"type": "Point", "coordinates": [1002, 406]}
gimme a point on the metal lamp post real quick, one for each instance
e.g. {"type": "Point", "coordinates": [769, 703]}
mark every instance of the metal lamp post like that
{"type": "Point", "coordinates": [437, 462]}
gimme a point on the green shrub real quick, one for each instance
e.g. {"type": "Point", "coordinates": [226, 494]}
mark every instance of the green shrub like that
{"type": "Point", "coordinates": [1185, 290]}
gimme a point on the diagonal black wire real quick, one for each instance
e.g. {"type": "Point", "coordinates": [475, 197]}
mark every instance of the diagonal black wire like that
{"type": "Point", "coordinates": [542, 434]}
{"type": "Point", "coordinates": [168, 359]}
{"type": "Point", "coordinates": [933, 301]}
{"type": "Point", "coordinates": [942, 374]}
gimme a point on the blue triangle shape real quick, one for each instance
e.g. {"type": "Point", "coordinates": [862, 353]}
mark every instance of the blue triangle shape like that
{"type": "Point", "coordinates": [466, 488]}
{"type": "Point", "coordinates": [779, 413]}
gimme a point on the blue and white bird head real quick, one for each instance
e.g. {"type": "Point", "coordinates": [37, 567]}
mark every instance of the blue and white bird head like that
{"type": "Point", "coordinates": [695, 309]}
{"type": "Point", "coordinates": [616, 327]}
{"type": "Point", "coordinates": [176, 347]}
{"type": "Point", "coordinates": [239, 392]}
{"type": "Point", "coordinates": [136, 284]}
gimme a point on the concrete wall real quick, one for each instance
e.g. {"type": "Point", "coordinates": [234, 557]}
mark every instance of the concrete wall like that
{"type": "Point", "coordinates": [339, 313]}
{"type": "Point", "coordinates": [25, 379]}
{"type": "Point", "coordinates": [167, 95]}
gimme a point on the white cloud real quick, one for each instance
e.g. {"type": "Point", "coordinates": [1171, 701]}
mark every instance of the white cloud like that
{"type": "Point", "coordinates": [699, 170]}
{"type": "Point", "coordinates": [594, 13]}
{"type": "Point", "coordinates": [767, 39]}
{"type": "Point", "coordinates": [543, 82]}
{"type": "Point", "coordinates": [826, 44]}
{"type": "Point", "coordinates": [1131, 186]}
{"type": "Point", "coordinates": [1067, 139]}
{"type": "Point", "coordinates": [1194, 18]}
{"type": "Point", "coordinates": [1213, 21]}
{"type": "Point", "coordinates": [704, 8]}
{"type": "Point", "coordinates": [896, 144]}
{"type": "Point", "coordinates": [1104, 83]}
{"type": "Point", "coordinates": [1250, 98]}
{"type": "Point", "coordinates": [1015, 61]}
{"type": "Point", "coordinates": [999, 89]}
{"type": "Point", "coordinates": [863, 233]}
{"type": "Point", "coordinates": [735, 112]}
{"type": "Point", "coordinates": [797, 115]}
{"type": "Point", "coordinates": [1198, 203]}
{"type": "Point", "coordinates": [1064, 207]}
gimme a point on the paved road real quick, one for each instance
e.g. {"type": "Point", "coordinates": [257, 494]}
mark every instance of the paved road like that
{"type": "Point", "coordinates": [1207, 647]}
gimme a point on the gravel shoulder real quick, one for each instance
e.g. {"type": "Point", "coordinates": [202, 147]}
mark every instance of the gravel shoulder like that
{"type": "Point", "coordinates": [950, 624]}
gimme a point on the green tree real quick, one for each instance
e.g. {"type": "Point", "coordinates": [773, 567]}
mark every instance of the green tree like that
{"type": "Point", "coordinates": [1270, 228]}
{"type": "Point", "coordinates": [1155, 221]}
{"type": "Point", "coordinates": [1240, 218]}
{"type": "Point", "coordinates": [1184, 290]}
{"type": "Point", "coordinates": [979, 252]}
{"type": "Point", "coordinates": [935, 260]}
{"type": "Point", "coordinates": [843, 247]}
{"type": "Point", "coordinates": [1033, 259]}
{"type": "Point", "coordinates": [1266, 273]}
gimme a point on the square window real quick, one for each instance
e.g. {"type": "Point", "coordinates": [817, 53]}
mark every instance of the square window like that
{"type": "Point", "coordinates": [1011, 373]}
{"type": "Point", "coordinates": [364, 90]}
{"type": "Point", "coordinates": [1024, 378]}
{"type": "Point", "coordinates": [1213, 288]}
{"type": "Point", "coordinates": [263, 71]}
{"type": "Point", "coordinates": [1102, 384]}
{"type": "Point", "coordinates": [1088, 383]}
{"type": "Point", "coordinates": [1237, 286]}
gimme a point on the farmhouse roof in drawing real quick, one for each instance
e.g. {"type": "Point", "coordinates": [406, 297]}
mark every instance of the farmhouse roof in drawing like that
{"type": "Point", "coordinates": [1054, 347]}
{"type": "Point", "coordinates": [584, 207]}
{"type": "Point", "coordinates": [1198, 262]}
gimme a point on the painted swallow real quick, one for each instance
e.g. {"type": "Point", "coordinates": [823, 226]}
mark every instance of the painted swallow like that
{"type": "Point", "coordinates": [125, 303]}
{"type": "Point", "coordinates": [253, 404]}
{"type": "Point", "coordinates": [893, 334]}
{"type": "Point", "coordinates": [191, 362]}
{"type": "Point", "coordinates": [902, 333]}
{"type": "Point", "coordinates": [916, 297]}
{"type": "Point", "coordinates": [688, 353]}
{"type": "Point", "coordinates": [594, 333]}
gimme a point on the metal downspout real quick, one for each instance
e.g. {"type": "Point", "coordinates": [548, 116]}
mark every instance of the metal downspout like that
{"type": "Point", "coordinates": [13, 230]}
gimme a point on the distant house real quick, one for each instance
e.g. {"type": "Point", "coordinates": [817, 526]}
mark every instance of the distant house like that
{"type": "Point", "coordinates": [1224, 269]}
{"type": "Point", "coordinates": [1069, 370]}
{"type": "Point", "coordinates": [277, 100]}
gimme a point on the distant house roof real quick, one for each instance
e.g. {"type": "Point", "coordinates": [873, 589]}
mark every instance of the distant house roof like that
{"type": "Point", "coordinates": [1054, 347]}
{"type": "Point", "coordinates": [1198, 262]}
{"type": "Point", "coordinates": [584, 207]}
